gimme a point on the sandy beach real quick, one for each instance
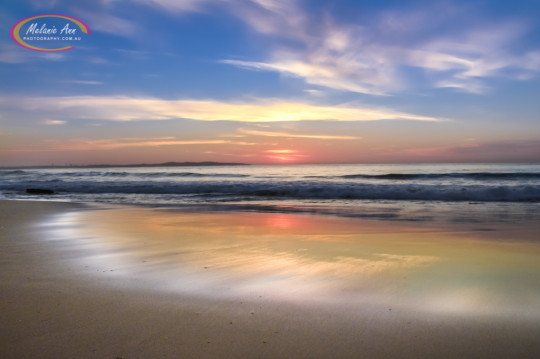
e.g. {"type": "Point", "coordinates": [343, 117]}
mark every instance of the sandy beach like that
{"type": "Point", "coordinates": [92, 282]}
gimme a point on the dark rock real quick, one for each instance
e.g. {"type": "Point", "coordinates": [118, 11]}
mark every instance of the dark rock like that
{"type": "Point", "coordinates": [39, 191]}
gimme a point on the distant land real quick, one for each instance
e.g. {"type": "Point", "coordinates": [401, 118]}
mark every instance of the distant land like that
{"type": "Point", "coordinates": [164, 164]}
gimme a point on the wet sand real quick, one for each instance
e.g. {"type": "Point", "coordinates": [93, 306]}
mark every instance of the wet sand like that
{"type": "Point", "coordinates": [80, 282]}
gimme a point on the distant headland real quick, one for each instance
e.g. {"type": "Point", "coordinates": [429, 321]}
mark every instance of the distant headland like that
{"type": "Point", "coordinates": [164, 164]}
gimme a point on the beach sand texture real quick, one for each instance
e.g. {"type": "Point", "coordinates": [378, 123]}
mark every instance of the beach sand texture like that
{"type": "Point", "coordinates": [124, 282]}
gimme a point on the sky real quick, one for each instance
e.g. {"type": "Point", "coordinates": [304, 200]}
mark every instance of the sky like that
{"type": "Point", "coordinates": [274, 82]}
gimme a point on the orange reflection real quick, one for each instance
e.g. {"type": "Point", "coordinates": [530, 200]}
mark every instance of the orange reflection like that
{"type": "Point", "coordinates": [284, 221]}
{"type": "Point", "coordinates": [313, 257]}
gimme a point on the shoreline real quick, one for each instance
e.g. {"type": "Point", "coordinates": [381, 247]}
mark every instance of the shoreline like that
{"type": "Point", "coordinates": [57, 304]}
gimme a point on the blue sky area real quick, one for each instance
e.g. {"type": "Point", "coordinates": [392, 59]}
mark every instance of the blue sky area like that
{"type": "Point", "coordinates": [271, 81]}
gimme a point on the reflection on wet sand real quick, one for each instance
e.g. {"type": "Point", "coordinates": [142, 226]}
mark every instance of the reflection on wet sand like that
{"type": "Point", "coordinates": [314, 258]}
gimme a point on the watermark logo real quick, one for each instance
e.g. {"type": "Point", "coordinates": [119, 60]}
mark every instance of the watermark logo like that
{"type": "Point", "coordinates": [49, 32]}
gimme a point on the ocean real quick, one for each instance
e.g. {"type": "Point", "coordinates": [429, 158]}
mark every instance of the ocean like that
{"type": "Point", "coordinates": [408, 191]}
{"type": "Point", "coordinates": [431, 240]}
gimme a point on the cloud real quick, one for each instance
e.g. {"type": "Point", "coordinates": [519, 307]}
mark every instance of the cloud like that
{"type": "Point", "coordinates": [284, 134]}
{"type": "Point", "coordinates": [336, 73]}
{"type": "Point", "coordinates": [124, 108]}
{"type": "Point", "coordinates": [472, 150]}
{"type": "Point", "coordinates": [178, 5]}
{"type": "Point", "coordinates": [322, 53]}
{"type": "Point", "coordinates": [110, 144]}
{"type": "Point", "coordinates": [473, 56]}
{"type": "Point", "coordinates": [456, 45]}
{"type": "Point", "coordinates": [273, 17]}
{"type": "Point", "coordinates": [314, 92]}
{"type": "Point", "coordinates": [145, 142]}
{"type": "Point", "coordinates": [280, 151]}
{"type": "Point", "coordinates": [54, 122]}
{"type": "Point", "coordinates": [108, 23]}
{"type": "Point", "coordinates": [53, 56]}
{"type": "Point", "coordinates": [43, 4]}
{"type": "Point", "coordinates": [374, 58]}
{"type": "Point", "coordinates": [468, 85]}
{"type": "Point", "coordinates": [11, 53]}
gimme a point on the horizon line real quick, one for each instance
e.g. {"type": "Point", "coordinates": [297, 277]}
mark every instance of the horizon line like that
{"type": "Point", "coordinates": [218, 164]}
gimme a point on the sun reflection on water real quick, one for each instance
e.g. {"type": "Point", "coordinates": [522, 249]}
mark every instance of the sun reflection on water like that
{"type": "Point", "coordinates": [301, 257]}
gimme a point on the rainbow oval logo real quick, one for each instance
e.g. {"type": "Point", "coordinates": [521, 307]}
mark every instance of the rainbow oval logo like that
{"type": "Point", "coordinates": [50, 32]}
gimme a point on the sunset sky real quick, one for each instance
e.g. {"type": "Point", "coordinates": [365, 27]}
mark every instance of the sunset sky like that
{"type": "Point", "coordinates": [275, 81]}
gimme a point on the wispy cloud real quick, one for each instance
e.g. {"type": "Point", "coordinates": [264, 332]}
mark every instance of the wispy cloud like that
{"type": "Point", "coordinates": [280, 151]}
{"type": "Point", "coordinates": [373, 58]}
{"type": "Point", "coordinates": [43, 4]}
{"type": "Point", "coordinates": [11, 53]}
{"type": "Point", "coordinates": [54, 122]}
{"type": "Point", "coordinates": [473, 150]}
{"type": "Point", "coordinates": [475, 55]}
{"type": "Point", "coordinates": [322, 70]}
{"type": "Point", "coordinates": [124, 108]}
{"type": "Point", "coordinates": [178, 5]}
{"type": "Point", "coordinates": [145, 142]}
{"type": "Point", "coordinates": [81, 144]}
{"type": "Point", "coordinates": [295, 135]}
{"type": "Point", "coordinates": [322, 52]}
{"type": "Point", "coordinates": [278, 19]}
{"type": "Point", "coordinates": [108, 23]}
{"type": "Point", "coordinates": [368, 56]}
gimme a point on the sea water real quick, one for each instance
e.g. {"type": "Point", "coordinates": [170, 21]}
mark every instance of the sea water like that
{"type": "Point", "coordinates": [413, 191]}
{"type": "Point", "coordinates": [446, 239]}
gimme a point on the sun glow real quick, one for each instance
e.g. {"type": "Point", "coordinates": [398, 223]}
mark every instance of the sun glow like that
{"type": "Point", "coordinates": [284, 155]}
{"type": "Point", "coordinates": [280, 151]}
{"type": "Point", "coordinates": [283, 158]}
